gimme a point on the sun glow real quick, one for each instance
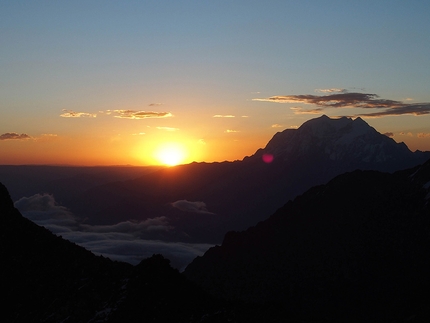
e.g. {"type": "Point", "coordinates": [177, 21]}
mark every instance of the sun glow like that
{"type": "Point", "coordinates": [170, 154]}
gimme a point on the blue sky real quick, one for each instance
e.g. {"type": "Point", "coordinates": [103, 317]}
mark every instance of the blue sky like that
{"type": "Point", "coordinates": [203, 64]}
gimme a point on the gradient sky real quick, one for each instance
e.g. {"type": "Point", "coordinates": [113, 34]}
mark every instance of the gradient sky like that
{"type": "Point", "coordinates": [109, 82]}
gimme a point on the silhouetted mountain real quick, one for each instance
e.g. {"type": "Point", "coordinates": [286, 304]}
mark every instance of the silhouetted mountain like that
{"type": "Point", "coordinates": [353, 250]}
{"type": "Point", "coordinates": [239, 194]}
{"type": "Point", "coordinates": [45, 278]}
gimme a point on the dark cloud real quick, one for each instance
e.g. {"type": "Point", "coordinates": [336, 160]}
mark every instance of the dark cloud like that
{"type": "Point", "coordinates": [194, 207]}
{"type": "Point", "coordinates": [389, 134]}
{"type": "Point", "coordinates": [133, 114]}
{"type": "Point", "coordinates": [352, 100]}
{"type": "Point", "coordinates": [73, 114]}
{"type": "Point", "coordinates": [129, 241]}
{"type": "Point", "coordinates": [14, 136]}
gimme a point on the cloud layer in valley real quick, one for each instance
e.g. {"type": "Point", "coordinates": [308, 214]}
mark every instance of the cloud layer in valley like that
{"type": "Point", "coordinates": [344, 99]}
{"type": "Point", "coordinates": [128, 241]}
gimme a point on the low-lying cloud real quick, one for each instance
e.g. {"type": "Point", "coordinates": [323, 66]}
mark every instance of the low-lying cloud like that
{"type": "Point", "coordinates": [189, 206]}
{"type": "Point", "coordinates": [129, 241]}
{"type": "Point", "coordinates": [382, 107]}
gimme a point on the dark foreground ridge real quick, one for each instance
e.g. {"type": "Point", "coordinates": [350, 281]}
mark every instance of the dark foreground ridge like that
{"type": "Point", "coordinates": [45, 278]}
{"type": "Point", "coordinates": [353, 250]}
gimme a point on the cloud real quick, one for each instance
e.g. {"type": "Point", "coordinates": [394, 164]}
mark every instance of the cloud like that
{"type": "Point", "coordinates": [135, 114]}
{"type": "Point", "coordinates": [129, 241]}
{"type": "Point", "coordinates": [168, 128]}
{"type": "Point", "coordinates": [345, 99]}
{"type": "Point", "coordinates": [223, 116]}
{"type": "Point", "coordinates": [389, 134]}
{"type": "Point", "coordinates": [330, 90]}
{"type": "Point", "coordinates": [46, 137]}
{"type": "Point", "coordinates": [155, 104]}
{"type": "Point", "coordinates": [231, 131]}
{"type": "Point", "coordinates": [14, 136]}
{"type": "Point", "coordinates": [423, 135]}
{"type": "Point", "coordinates": [276, 125]}
{"type": "Point", "coordinates": [73, 114]}
{"type": "Point", "coordinates": [194, 207]}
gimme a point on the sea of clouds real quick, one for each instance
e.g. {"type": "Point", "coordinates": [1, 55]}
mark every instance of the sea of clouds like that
{"type": "Point", "coordinates": [128, 241]}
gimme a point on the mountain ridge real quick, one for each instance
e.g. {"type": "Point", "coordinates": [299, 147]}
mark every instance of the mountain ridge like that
{"type": "Point", "coordinates": [354, 249]}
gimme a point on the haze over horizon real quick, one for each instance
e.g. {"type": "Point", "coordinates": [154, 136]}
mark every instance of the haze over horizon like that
{"type": "Point", "coordinates": [148, 83]}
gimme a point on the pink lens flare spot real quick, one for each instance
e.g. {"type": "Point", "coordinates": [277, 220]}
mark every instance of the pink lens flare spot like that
{"type": "Point", "coordinates": [268, 158]}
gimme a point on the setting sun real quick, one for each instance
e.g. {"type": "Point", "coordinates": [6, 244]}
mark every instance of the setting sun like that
{"type": "Point", "coordinates": [170, 154]}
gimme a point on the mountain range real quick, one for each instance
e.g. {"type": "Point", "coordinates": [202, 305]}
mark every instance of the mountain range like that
{"type": "Point", "coordinates": [202, 201]}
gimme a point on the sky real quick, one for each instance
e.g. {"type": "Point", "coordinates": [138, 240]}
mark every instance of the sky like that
{"type": "Point", "coordinates": [150, 82]}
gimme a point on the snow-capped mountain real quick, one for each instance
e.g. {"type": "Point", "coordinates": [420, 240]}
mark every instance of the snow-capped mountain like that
{"type": "Point", "coordinates": [351, 142]}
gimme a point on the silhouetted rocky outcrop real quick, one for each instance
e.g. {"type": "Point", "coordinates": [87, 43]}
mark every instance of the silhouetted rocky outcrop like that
{"type": "Point", "coordinates": [353, 250]}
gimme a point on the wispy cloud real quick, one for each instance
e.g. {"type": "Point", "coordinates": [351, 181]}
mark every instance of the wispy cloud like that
{"type": "Point", "coordinates": [14, 136]}
{"type": "Point", "coordinates": [333, 90]}
{"type": "Point", "coordinates": [139, 114]}
{"type": "Point", "coordinates": [73, 114]}
{"type": "Point", "coordinates": [223, 116]}
{"type": "Point", "coordinates": [168, 128]}
{"type": "Point", "coordinates": [189, 206]}
{"type": "Point", "coordinates": [384, 107]}
{"type": "Point", "coordinates": [46, 137]}
{"type": "Point", "coordinates": [231, 131]}
{"type": "Point", "coordinates": [276, 125]}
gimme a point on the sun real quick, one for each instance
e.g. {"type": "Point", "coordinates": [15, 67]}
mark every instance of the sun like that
{"type": "Point", "coordinates": [170, 154]}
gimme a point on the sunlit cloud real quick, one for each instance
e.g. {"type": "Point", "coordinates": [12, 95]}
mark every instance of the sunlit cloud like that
{"type": "Point", "coordinates": [244, 116]}
{"type": "Point", "coordinates": [384, 107]}
{"type": "Point", "coordinates": [231, 131]}
{"type": "Point", "coordinates": [73, 114]}
{"type": "Point", "coordinates": [423, 135]}
{"type": "Point", "coordinates": [300, 110]}
{"type": "Point", "coordinates": [46, 137]}
{"type": "Point", "coordinates": [223, 116]}
{"type": "Point", "coordinates": [14, 136]}
{"type": "Point", "coordinates": [409, 134]}
{"type": "Point", "coordinates": [276, 125]}
{"type": "Point", "coordinates": [135, 114]}
{"type": "Point", "coordinates": [139, 134]}
{"type": "Point", "coordinates": [202, 142]}
{"type": "Point", "coordinates": [193, 207]}
{"type": "Point", "coordinates": [168, 128]}
{"type": "Point", "coordinates": [389, 134]}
